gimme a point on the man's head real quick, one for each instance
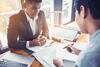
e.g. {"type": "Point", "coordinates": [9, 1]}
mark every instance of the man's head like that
{"type": "Point", "coordinates": [32, 7]}
{"type": "Point", "coordinates": [87, 11]}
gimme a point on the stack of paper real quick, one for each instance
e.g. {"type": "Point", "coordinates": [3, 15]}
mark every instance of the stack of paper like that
{"type": "Point", "coordinates": [47, 54]}
{"type": "Point", "coordinates": [45, 57]}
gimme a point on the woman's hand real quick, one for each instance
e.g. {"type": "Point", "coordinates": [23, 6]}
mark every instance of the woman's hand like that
{"type": "Point", "coordinates": [58, 62]}
{"type": "Point", "coordinates": [73, 50]}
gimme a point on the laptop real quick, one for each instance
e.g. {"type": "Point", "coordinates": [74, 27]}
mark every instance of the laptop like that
{"type": "Point", "coordinates": [9, 63]}
{"type": "Point", "coordinates": [65, 34]}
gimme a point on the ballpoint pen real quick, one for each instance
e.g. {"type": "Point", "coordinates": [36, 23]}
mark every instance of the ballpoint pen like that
{"type": "Point", "coordinates": [50, 44]}
{"type": "Point", "coordinates": [68, 48]}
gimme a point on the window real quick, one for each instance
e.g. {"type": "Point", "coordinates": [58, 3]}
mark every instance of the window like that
{"type": "Point", "coordinates": [3, 31]}
{"type": "Point", "coordinates": [9, 5]}
{"type": "Point", "coordinates": [46, 8]}
{"type": "Point", "coordinates": [68, 13]}
{"type": "Point", "coordinates": [58, 11]}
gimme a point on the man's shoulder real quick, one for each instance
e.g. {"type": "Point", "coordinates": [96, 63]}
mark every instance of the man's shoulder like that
{"type": "Point", "coordinates": [17, 15]}
{"type": "Point", "coordinates": [41, 12]}
{"type": "Point", "coordinates": [14, 15]}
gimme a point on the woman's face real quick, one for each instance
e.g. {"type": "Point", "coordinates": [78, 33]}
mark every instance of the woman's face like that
{"type": "Point", "coordinates": [79, 18]}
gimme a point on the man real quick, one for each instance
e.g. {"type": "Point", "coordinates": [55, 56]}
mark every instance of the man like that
{"type": "Point", "coordinates": [88, 19]}
{"type": "Point", "coordinates": [28, 27]}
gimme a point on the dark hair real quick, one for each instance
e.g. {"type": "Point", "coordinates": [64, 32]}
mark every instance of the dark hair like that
{"type": "Point", "coordinates": [30, 1]}
{"type": "Point", "coordinates": [92, 5]}
{"type": "Point", "coordinates": [23, 2]}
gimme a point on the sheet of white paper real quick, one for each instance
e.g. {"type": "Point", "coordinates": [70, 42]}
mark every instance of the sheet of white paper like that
{"type": "Point", "coordinates": [81, 46]}
{"type": "Point", "coordinates": [40, 48]}
{"type": "Point", "coordinates": [64, 54]}
{"type": "Point", "coordinates": [46, 56]}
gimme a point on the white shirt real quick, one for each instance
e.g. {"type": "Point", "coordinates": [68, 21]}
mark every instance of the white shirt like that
{"type": "Point", "coordinates": [33, 25]}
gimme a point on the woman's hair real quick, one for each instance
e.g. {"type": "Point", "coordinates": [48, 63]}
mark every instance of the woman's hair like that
{"type": "Point", "coordinates": [92, 5]}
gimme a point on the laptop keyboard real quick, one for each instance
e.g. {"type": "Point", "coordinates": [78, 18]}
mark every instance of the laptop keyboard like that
{"type": "Point", "coordinates": [9, 63]}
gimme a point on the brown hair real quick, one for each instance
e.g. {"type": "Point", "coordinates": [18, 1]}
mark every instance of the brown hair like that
{"type": "Point", "coordinates": [30, 1]}
{"type": "Point", "coordinates": [23, 2]}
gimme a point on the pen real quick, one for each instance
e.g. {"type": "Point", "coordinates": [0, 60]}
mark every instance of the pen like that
{"type": "Point", "coordinates": [50, 44]}
{"type": "Point", "coordinates": [68, 45]}
{"type": "Point", "coordinates": [69, 48]}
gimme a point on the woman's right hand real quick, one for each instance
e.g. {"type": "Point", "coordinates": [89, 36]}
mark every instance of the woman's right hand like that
{"type": "Point", "coordinates": [73, 50]}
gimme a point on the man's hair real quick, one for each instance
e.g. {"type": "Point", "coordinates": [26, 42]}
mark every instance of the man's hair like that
{"type": "Point", "coordinates": [23, 2]}
{"type": "Point", "coordinates": [92, 5]}
{"type": "Point", "coordinates": [30, 1]}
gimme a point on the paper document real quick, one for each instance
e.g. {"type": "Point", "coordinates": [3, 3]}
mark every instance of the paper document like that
{"type": "Point", "coordinates": [65, 55]}
{"type": "Point", "coordinates": [46, 54]}
{"type": "Point", "coordinates": [45, 57]}
{"type": "Point", "coordinates": [39, 48]}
